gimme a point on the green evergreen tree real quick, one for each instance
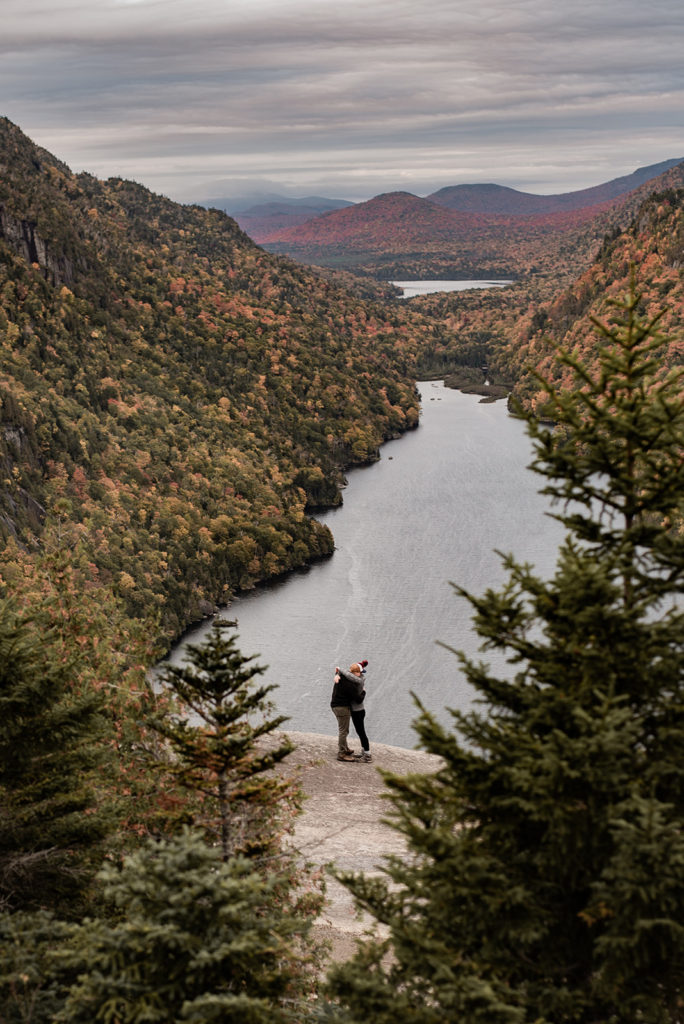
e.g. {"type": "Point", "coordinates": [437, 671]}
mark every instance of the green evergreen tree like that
{"type": "Point", "coordinates": [223, 747]}
{"type": "Point", "coordinates": [197, 939]}
{"type": "Point", "coordinates": [32, 986]}
{"type": "Point", "coordinates": [544, 879]}
{"type": "Point", "coordinates": [50, 745]}
{"type": "Point", "coordinates": [84, 624]}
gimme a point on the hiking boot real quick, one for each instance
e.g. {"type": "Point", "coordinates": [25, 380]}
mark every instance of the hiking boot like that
{"type": "Point", "coordinates": [345, 757]}
{"type": "Point", "coordinates": [365, 757]}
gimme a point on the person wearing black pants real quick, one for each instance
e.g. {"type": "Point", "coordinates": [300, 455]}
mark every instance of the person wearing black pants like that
{"type": "Point", "coordinates": [358, 712]}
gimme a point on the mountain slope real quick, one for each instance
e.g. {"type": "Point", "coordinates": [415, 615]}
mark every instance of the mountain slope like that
{"type": "Point", "coordinates": [393, 218]}
{"type": "Point", "coordinates": [516, 329]}
{"type": "Point", "coordinates": [399, 235]}
{"type": "Point", "coordinates": [181, 396]}
{"type": "Point", "coordinates": [651, 249]}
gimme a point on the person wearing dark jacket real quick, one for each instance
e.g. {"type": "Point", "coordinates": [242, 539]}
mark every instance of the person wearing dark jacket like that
{"type": "Point", "coordinates": [358, 712]}
{"type": "Point", "coordinates": [347, 690]}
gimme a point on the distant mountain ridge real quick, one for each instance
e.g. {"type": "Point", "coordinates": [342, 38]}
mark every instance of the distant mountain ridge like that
{"type": "Point", "coordinates": [267, 220]}
{"type": "Point", "coordinates": [399, 235]}
{"type": "Point", "coordinates": [260, 215]}
{"type": "Point", "coordinates": [406, 216]}
{"type": "Point", "coordinates": [498, 199]}
{"type": "Point", "coordinates": [276, 215]}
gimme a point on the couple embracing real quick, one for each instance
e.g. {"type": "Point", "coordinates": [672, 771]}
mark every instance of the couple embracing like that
{"type": "Point", "coordinates": [347, 705]}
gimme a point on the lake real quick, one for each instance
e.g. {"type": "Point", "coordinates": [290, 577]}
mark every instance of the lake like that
{"type": "Point", "coordinates": [413, 288]}
{"type": "Point", "coordinates": [435, 508]}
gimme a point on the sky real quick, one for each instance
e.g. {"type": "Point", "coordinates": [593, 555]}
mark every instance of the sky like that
{"type": "Point", "coordinates": [197, 99]}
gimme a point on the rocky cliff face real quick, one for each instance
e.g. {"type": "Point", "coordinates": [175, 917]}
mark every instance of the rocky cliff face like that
{"type": "Point", "coordinates": [17, 448]}
{"type": "Point", "coordinates": [23, 238]}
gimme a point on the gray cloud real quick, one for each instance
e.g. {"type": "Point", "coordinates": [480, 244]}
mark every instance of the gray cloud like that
{"type": "Point", "coordinates": [350, 99]}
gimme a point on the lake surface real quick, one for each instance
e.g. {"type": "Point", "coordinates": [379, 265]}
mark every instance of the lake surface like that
{"type": "Point", "coordinates": [435, 508]}
{"type": "Point", "coordinates": [413, 288]}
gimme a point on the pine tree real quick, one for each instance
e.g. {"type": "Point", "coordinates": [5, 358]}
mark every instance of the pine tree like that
{"type": "Point", "coordinates": [81, 623]}
{"type": "Point", "coordinates": [32, 986]}
{"type": "Point", "coordinates": [196, 938]}
{"type": "Point", "coordinates": [50, 744]}
{"type": "Point", "coordinates": [544, 879]}
{"type": "Point", "coordinates": [223, 747]}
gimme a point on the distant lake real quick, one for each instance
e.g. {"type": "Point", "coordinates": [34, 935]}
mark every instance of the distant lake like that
{"type": "Point", "coordinates": [412, 288]}
{"type": "Point", "coordinates": [436, 507]}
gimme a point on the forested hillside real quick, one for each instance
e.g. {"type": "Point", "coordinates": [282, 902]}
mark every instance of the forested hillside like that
{"type": "Point", "coordinates": [400, 236]}
{"type": "Point", "coordinates": [180, 398]}
{"type": "Point", "coordinates": [652, 250]}
{"type": "Point", "coordinates": [516, 329]}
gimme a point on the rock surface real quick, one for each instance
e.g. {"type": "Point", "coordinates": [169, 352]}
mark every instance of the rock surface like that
{"type": "Point", "coordinates": [342, 820]}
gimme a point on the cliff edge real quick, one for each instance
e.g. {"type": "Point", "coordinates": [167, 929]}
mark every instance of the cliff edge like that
{"type": "Point", "coordinates": [342, 820]}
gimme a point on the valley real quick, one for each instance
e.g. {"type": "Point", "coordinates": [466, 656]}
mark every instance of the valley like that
{"type": "Point", "coordinates": [178, 402]}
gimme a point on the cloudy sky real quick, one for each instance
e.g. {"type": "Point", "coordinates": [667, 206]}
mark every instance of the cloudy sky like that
{"type": "Point", "coordinates": [347, 98]}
